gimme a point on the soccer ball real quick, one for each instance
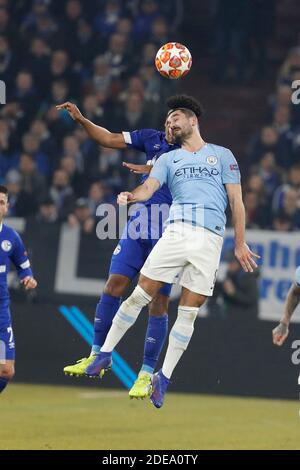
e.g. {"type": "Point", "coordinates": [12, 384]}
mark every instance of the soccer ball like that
{"type": "Point", "coordinates": [173, 60]}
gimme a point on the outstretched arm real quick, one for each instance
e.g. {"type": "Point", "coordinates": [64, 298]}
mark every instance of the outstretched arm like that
{"type": "Point", "coordinates": [139, 194]}
{"type": "Point", "coordinates": [280, 333]}
{"type": "Point", "coordinates": [101, 135]}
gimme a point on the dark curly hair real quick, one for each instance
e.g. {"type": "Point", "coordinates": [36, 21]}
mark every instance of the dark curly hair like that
{"type": "Point", "coordinates": [3, 190]}
{"type": "Point", "coordinates": [184, 102]}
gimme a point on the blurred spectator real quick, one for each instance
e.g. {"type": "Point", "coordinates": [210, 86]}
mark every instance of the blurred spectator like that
{"type": "Point", "coordinates": [291, 64]}
{"type": "Point", "coordinates": [8, 63]}
{"type": "Point", "coordinates": [32, 181]}
{"type": "Point", "coordinates": [134, 116]}
{"type": "Point", "coordinates": [282, 223]}
{"type": "Point", "coordinates": [82, 216]}
{"type": "Point", "coordinates": [102, 74]}
{"type": "Point", "coordinates": [47, 211]}
{"type": "Point", "coordinates": [239, 291]}
{"type": "Point", "coordinates": [117, 55]}
{"type": "Point", "coordinates": [97, 195]}
{"type": "Point", "coordinates": [106, 21]}
{"type": "Point", "coordinates": [290, 207]}
{"type": "Point", "coordinates": [292, 183]}
{"type": "Point", "coordinates": [31, 145]}
{"type": "Point", "coordinates": [21, 203]}
{"type": "Point", "coordinates": [149, 11]}
{"type": "Point", "coordinates": [251, 203]}
{"type": "Point", "coordinates": [232, 28]}
{"type": "Point", "coordinates": [38, 62]}
{"type": "Point", "coordinates": [62, 193]}
{"type": "Point", "coordinates": [269, 173]}
{"type": "Point", "coordinates": [268, 140]}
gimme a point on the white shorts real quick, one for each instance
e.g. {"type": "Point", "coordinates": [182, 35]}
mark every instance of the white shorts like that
{"type": "Point", "coordinates": [193, 251]}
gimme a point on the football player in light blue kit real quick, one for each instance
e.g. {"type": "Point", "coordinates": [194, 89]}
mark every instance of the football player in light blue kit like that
{"type": "Point", "coordinates": [201, 178]}
{"type": "Point", "coordinates": [11, 249]}
{"type": "Point", "coordinates": [131, 253]}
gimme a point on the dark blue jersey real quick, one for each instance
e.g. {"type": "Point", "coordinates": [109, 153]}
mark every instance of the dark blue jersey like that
{"type": "Point", "coordinates": [153, 143]}
{"type": "Point", "coordinates": [11, 249]}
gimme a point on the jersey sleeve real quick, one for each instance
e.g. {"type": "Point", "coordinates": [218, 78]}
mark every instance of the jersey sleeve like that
{"type": "Point", "coordinates": [137, 139]}
{"type": "Point", "coordinates": [160, 169]}
{"type": "Point", "coordinates": [230, 169]}
{"type": "Point", "coordinates": [20, 259]}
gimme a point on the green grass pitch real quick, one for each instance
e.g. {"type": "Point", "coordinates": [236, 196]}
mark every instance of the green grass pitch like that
{"type": "Point", "coordinates": [48, 417]}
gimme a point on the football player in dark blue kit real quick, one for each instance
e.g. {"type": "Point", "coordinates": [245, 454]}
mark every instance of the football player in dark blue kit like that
{"type": "Point", "coordinates": [130, 254]}
{"type": "Point", "coordinates": [11, 249]}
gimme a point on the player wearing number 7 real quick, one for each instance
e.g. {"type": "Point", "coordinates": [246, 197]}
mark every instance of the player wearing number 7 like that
{"type": "Point", "coordinates": [11, 249]}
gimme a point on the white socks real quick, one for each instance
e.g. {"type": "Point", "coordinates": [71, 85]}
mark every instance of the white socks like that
{"type": "Point", "coordinates": [179, 338]}
{"type": "Point", "coordinates": [125, 317]}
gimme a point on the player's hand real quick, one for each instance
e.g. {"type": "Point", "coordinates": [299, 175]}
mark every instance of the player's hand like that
{"type": "Point", "coordinates": [138, 169]}
{"type": "Point", "coordinates": [72, 110]}
{"type": "Point", "coordinates": [29, 282]}
{"type": "Point", "coordinates": [124, 198]}
{"type": "Point", "coordinates": [280, 333]}
{"type": "Point", "coordinates": [246, 257]}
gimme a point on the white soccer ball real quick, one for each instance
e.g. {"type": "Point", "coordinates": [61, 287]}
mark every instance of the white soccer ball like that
{"type": "Point", "coordinates": [173, 60]}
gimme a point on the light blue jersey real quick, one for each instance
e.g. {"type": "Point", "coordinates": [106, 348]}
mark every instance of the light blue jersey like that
{"type": "Point", "coordinates": [196, 181]}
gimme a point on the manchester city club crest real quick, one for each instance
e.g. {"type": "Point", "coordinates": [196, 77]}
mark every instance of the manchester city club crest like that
{"type": "Point", "coordinates": [211, 160]}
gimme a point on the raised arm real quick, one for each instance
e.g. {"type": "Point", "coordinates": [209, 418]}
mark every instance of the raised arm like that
{"type": "Point", "coordinates": [101, 135]}
{"type": "Point", "coordinates": [139, 194]}
{"type": "Point", "coordinates": [242, 251]}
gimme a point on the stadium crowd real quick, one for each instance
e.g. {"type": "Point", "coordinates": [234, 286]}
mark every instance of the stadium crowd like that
{"type": "Point", "coordinates": [100, 55]}
{"type": "Point", "coordinates": [97, 54]}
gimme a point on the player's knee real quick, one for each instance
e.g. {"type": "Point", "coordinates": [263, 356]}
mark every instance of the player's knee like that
{"type": "Point", "coordinates": [159, 306]}
{"type": "Point", "coordinates": [7, 372]}
{"type": "Point", "coordinates": [116, 285]}
{"type": "Point", "coordinates": [185, 320]}
{"type": "Point", "coordinates": [136, 301]}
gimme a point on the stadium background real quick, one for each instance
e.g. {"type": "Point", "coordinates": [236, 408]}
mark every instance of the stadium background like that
{"type": "Point", "coordinates": [100, 54]}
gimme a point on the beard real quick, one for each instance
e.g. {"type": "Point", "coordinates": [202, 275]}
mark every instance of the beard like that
{"type": "Point", "coordinates": [181, 135]}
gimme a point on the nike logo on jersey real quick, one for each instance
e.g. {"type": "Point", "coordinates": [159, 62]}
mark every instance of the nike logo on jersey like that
{"type": "Point", "coordinates": [176, 161]}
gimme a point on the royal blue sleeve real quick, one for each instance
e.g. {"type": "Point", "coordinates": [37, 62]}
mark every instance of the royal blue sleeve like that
{"type": "Point", "coordinates": [230, 169]}
{"type": "Point", "coordinates": [160, 169]}
{"type": "Point", "coordinates": [137, 139]}
{"type": "Point", "coordinates": [19, 258]}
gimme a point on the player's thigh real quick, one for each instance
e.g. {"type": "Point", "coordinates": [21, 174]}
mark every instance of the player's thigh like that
{"type": "Point", "coordinates": [199, 275]}
{"type": "Point", "coordinates": [7, 342]}
{"type": "Point", "coordinates": [189, 298]}
{"type": "Point", "coordinates": [167, 258]}
{"type": "Point", "coordinates": [128, 258]}
{"type": "Point", "coordinates": [159, 305]}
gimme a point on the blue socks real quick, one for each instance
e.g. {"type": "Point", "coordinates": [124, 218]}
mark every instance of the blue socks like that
{"type": "Point", "coordinates": [105, 312]}
{"type": "Point", "coordinates": [3, 383]}
{"type": "Point", "coordinates": [155, 337]}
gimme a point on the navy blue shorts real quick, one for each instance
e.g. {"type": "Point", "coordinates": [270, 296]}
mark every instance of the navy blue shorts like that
{"type": "Point", "coordinates": [7, 343]}
{"type": "Point", "coordinates": [130, 255]}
